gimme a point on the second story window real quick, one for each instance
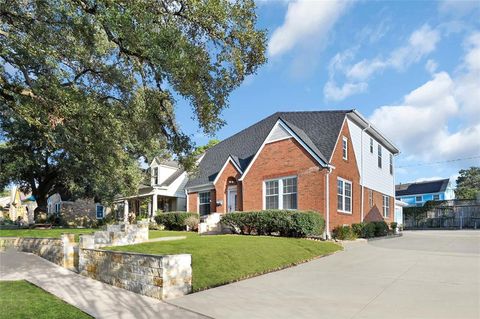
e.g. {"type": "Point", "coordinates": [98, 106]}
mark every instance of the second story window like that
{"type": "Point", "coordinates": [371, 145]}
{"type": "Point", "coordinates": [345, 148]}
{"type": "Point", "coordinates": [379, 156]}
{"type": "Point", "coordinates": [418, 199]}
{"type": "Point", "coordinates": [391, 164]}
{"type": "Point", "coordinates": [155, 175]}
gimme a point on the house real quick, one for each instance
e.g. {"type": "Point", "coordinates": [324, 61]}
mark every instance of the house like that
{"type": "Point", "coordinates": [164, 191]}
{"type": "Point", "coordinates": [333, 162]}
{"type": "Point", "coordinates": [76, 212]}
{"type": "Point", "coordinates": [18, 205]}
{"type": "Point", "coordinates": [417, 194]}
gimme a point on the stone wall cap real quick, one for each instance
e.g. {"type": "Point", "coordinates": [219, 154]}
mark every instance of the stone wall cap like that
{"type": "Point", "coordinates": [135, 253]}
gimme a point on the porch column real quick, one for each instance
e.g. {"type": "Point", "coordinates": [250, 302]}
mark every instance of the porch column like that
{"type": "Point", "coordinates": [154, 204]}
{"type": "Point", "coordinates": [125, 211]}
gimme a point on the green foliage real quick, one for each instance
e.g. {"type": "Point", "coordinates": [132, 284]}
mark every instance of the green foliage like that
{"type": "Point", "coordinates": [381, 228]}
{"type": "Point", "coordinates": [393, 226]}
{"type": "Point", "coordinates": [173, 220]}
{"type": "Point", "coordinates": [364, 230]}
{"type": "Point", "coordinates": [87, 87]}
{"type": "Point", "coordinates": [202, 149]}
{"type": "Point", "coordinates": [344, 233]}
{"type": "Point", "coordinates": [285, 223]}
{"type": "Point", "coordinates": [468, 183]}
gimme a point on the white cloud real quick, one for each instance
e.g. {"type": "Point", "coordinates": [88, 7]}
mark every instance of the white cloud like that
{"type": "Point", "coordinates": [335, 93]}
{"type": "Point", "coordinates": [420, 43]}
{"type": "Point", "coordinates": [306, 22]}
{"type": "Point", "coordinates": [437, 121]}
{"type": "Point", "coordinates": [431, 66]}
{"type": "Point", "coordinates": [458, 7]}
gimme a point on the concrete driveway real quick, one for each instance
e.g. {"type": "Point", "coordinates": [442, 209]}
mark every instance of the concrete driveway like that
{"type": "Point", "coordinates": [424, 274]}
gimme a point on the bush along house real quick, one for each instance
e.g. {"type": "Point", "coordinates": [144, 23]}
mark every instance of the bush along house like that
{"type": "Point", "coordinates": [333, 162]}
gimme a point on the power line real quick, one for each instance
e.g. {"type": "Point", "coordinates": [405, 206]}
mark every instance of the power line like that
{"type": "Point", "coordinates": [441, 162]}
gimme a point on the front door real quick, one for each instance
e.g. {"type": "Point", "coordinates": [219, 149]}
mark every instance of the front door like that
{"type": "Point", "coordinates": [232, 199]}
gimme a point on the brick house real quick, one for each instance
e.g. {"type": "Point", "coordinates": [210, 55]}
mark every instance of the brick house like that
{"type": "Point", "coordinates": [333, 162]}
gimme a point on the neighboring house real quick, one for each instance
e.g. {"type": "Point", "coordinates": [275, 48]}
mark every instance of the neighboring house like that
{"type": "Point", "coordinates": [417, 194]}
{"type": "Point", "coordinates": [399, 205]}
{"type": "Point", "coordinates": [165, 190]}
{"type": "Point", "coordinates": [333, 162]}
{"type": "Point", "coordinates": [18, 205]}
{"type": "Point", "coordinates": [73, 211]}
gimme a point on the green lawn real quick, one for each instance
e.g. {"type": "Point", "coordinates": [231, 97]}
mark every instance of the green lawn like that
{"type": "Point", "coordinates": [221, 259]}
{"type": "Point", "coordinates": [21, 299]}
{"type": "Point", "coordinates": [46, 233]}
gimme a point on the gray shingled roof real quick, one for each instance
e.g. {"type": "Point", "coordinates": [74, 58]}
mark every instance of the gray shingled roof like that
{"type": "Point", "coordinates": [318, 129]}
{"type": "Point", "coordinates": [428, 187]}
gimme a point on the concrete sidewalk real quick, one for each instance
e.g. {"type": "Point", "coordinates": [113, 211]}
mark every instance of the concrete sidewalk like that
{"type": "Point", "coordinates": [93, 297]}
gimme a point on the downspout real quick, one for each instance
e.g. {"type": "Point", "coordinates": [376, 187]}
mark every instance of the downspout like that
{"type": "Point", "coordinates": [186, 195]}
{"type": "Point", "coordinates": [327, 201]}
{"type": "Point", "coordinates": [362, 173]}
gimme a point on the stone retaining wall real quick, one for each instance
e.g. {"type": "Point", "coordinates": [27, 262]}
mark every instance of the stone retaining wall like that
{"type": "Point", "coordinates": [157, 276]}
{"type": "Point", "coordinates": [60, 251]}
{"type": "Point", "coordinates": [117, 235]}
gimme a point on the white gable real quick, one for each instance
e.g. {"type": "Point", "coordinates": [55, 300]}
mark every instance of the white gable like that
{"type": "Point", "coordinates": [278, 133]}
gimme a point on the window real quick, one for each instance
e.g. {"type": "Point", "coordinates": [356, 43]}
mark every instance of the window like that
{"type": "Point", "coordinates": [204, 203]}
{"type": "Point", "coordinates": [379, 155]}
{"type": "Point", "coordinates": [345, 148]}
{"type": "Point", "coordinates": [436, 197]}
{"type": "Point", "coordinates": [271, 194]}
{"type": "Point", "coordinates": [344, 196]}
{"type": "Point", "coordinates": [99, 211]}
{"type": "Point", "coordinates": [386, 206]}
{"type": "Point", "coordinates": [58, 207]}
{"type": "Point", "coordinates": [155, 175]}
{"type": "Point", "coordinates": [371, 145]}
{"type": "Point", "coordinates": [418, 198]}
{"type": "Point", "coordinates": [370, 197]}
{"type": "Point", "coordinates": [391, 164]}
{"type": "Point", "coordinates": [281, 193]}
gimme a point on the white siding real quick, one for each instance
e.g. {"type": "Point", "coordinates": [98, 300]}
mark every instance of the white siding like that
{"type": "Point", "coordinates": [278, 133]}
{"type": "Point", "coordinates": [373, 177]}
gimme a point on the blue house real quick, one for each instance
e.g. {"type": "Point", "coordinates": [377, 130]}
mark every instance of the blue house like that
{"type": "Point", "coordinates": [416, 194]}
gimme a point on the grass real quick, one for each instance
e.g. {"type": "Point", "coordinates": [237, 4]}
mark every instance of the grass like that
{"type": "Point", "coordinates": [45, 233]}
{"type": "Point", "coordinates": [221, 259]}
{"type": "Point", "coordinates": [21, 299]}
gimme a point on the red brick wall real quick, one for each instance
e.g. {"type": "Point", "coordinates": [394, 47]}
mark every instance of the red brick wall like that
{"type": "Point", "coordinates": [285, 158]}
{"type": "Point", "coordinates": [375, 212]}
{"type": "Point", "coordinates": [229, 173]}
{"type": "Point", "coordinates": [192, 202]}
{"type": "Point", "coordinates": [346, 169]}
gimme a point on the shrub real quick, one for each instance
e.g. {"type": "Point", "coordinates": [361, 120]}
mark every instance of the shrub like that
{"type": "Point", "coordinates": [368, 230]}
{"type": "Point", "coordinates": [393, 226]}
{"type": "Point", "coordinates": [173, 220]}
{"type": "Point", "coordinates": [192, 223]}
{"type": "Point", "coordinates": [344, 233]}
{"type": "Point", "coordinates": [358, 229]}
{"type": "Point", "coordinates": [285, 223]}
{"type": "Point", "coordinates": [381, 228]}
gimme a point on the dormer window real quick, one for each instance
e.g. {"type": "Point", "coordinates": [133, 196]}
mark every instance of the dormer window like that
{"type": "Point", "coordinates": [155, 175]}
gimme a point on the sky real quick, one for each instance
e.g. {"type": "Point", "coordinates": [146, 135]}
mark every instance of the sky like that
{"type": "Point", "coordinates": [411, 67]}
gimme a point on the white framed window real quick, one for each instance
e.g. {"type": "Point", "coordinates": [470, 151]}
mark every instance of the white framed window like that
{"type": "Point", "coordinates": [371, 145]}
{"type": "Point", "coordinates": [345, 148]}
{"type": "Point", "coordinates": [281, 193]}
{"type": "Point", "coordinates": [370, 198]}
{"type": "Point", "coordinates": [344, 196]}
{"type": "Point", "coordinates": [99, 210]}
{"type": "Point", "coordinates": [386, 206]}
{"type": "Point", "coordinates": [58, 208]}
{"type": "Point", "coordinates": [436, 197]}
{"type": "Point", "coordinates": [391, 163]}
{"type": "Point", "coordinates": [155, 175]}
{"type": "Point", "coordinates": [204, 203]}
{"type": "Point", "coordinates": [379, 150]}
{"type": "Point", "coordinates": [418, 199]}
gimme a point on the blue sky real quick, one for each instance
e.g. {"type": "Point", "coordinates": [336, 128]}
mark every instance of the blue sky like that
{"type": "Point", "coordinates": [411, 67]}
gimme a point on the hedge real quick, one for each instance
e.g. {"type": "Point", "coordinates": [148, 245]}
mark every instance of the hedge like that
{"type": "Point", "coordinates": [362, 230]}
{"type": "Point", "coordinates": [344, 233]}
{"type": "Point", "coordinates": [285, 223]}
{"type": "Point", "coordinates": [173, 220]}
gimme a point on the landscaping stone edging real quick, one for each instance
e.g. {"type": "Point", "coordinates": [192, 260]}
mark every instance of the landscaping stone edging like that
{"type": "Point", "coordinates": [157, 276]}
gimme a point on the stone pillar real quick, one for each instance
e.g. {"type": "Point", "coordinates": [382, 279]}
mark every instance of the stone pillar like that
{"type": "Point", "coordinates": [70, 249]}
{"type": "Point", "coordinates": [125, 211]}
{"type": "Point", "coordinates": [154, 204]}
